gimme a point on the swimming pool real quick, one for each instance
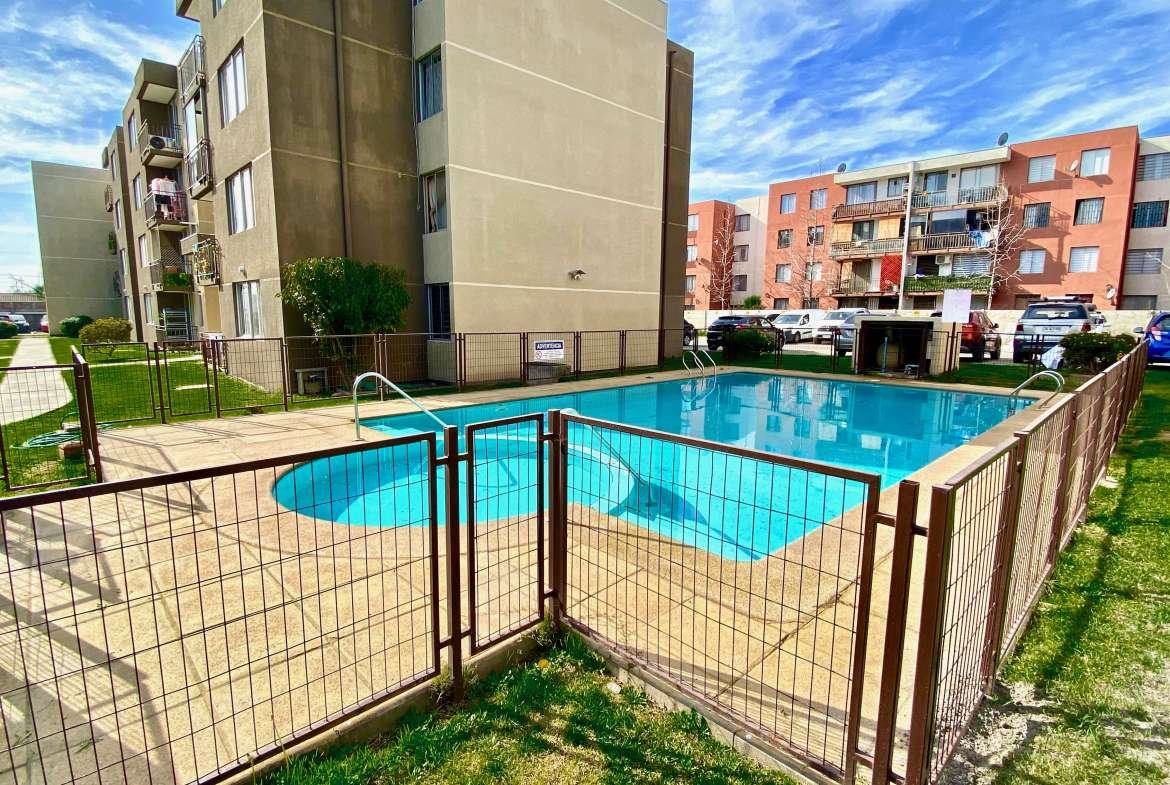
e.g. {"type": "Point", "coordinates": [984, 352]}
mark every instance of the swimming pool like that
{"type": "Point", "coordinates": [747, 508]}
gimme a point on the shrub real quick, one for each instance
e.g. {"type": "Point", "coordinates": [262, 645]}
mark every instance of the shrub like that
{"type": "Point", "coordinates": [8, 330]}
{"type": "Point", "coordinates": [753, 301]}
{"type": "Point", "coordinates": [71, 326]}
{"type": "Point", "coordinates": [746, 344]}
{"type": "Point", "coordinates": [1095, 351]}
{"type": "Point", "coordinates": [108, 330]}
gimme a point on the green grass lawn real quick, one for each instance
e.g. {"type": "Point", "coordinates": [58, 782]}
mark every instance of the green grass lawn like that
{"type": "Point", "coordinates": [1097, 653]}
{"type": "Point", "coordinates": [552, 721]}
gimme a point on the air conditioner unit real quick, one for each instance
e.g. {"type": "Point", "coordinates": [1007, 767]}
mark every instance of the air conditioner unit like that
{"type": "Point", "coordinates": [159, 142]}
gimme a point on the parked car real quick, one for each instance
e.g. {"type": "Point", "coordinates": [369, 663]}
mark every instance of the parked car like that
{"type": "Point", "coordinates": [1157, 333]}
{"type": "Point", "coordinates": [719, 328]}
{"type": "Point", "coordinates": [832, 321]}
{"type": "Point", "coordinates": [21, 323]}
{"type": "Point", "coordinates": [846, 334]}
{"type": "Point", "coordinates": [689, 333]}
{"type": "Point", "coordinates": [980, 338]}
{"type": "Point", "coordinates": [1046, 322]}
{"type": "Point", "coordinates": [43, 324]}
{"type": "Point", "coordinates": [798, 325]}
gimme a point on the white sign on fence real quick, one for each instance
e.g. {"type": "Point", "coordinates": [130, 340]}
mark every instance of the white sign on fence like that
{"type": "Point", "coordinates": [956, 305]}
{"type": "Point", "coordinates": [550, 350]}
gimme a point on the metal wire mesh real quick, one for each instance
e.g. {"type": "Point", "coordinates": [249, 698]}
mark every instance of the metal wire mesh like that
{"type": "Point", "coordinates": [492, 358]}
{"type": "Point", "coordinates": [741, 577]}
{"type": "Point", "coordinates": [249, 373]}
{"type": "Point", "coordinates": [325, 367]}
{"type": "Point", "coordinates": [174, 628]}
{"type": "Point", "coordinates": [41, 439]}
{"type": "Point", "coordinates": [124, 384]}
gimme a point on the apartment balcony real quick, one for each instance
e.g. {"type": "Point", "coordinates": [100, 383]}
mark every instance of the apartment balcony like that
{"type": "Point", "coordinates": [166, 211]}
{"type": "Point", "coordinates": [197, 169]}
{"type": "Point", "coordinates": [109, 198]}
{"type": "Point", "coordinates": [852, 285]}
{"type": "Point", "coordinates": [984, 195]}
{"type": "Point", "coordinates": [206, 258]}
{"type": "Point", "coordinates": [161, 145]}
{"type": "Point", "coordinates": [170, 276]}
{"type": "Point", "coordinates": [192, 70]}
{"type": "Point", "coordinates": [937, 284]}
{"type": "Point", "coordinates": [849, 212]}
{"type": "Point", "coordinates": [949, 241]}
{"type": "Point", "coordinates": [863, 249]}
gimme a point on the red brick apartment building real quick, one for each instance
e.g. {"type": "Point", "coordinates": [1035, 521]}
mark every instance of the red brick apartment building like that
{"type": "Point", "coordinates": [704, 219]}
{"type": "Point", "coordinates": [1069, 204]}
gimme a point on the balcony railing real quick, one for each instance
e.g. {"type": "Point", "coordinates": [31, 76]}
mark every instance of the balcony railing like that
{"type": "Point", "coordinates": [925, 284]}
{"type": "Point", "coordinates": [166, 210]}
{"type": "Point", "coordinates": [197, 168]}
{"type": "Point", "coordinates": [191, 68]}
{"type": "Point", "coordinates": [161, 144]}
{"type": "Point", "coordinates": [983, 194]}
{"type": "Point", "coordinates": [169, 276]}
{"type": "Point", "coordinates": [852, 285]}
{"type": "Point", "coordinates": [949, 241]}
{"type": "Point", "coordinates": [109, 197]}
{"type": "Point", "coordinates": [206, 257]}
{"type": "Point", "coordinates": [863, 248]}
{"type": "Point", "coordinates": [845, 212]}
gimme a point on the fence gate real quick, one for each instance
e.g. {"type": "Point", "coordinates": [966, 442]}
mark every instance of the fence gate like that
{"type": "Point", "coordinates": [184, 378]}
{"type": "Point", "coordinates": [125, 387]}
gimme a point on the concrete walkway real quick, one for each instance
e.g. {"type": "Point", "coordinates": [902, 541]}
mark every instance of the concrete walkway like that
{"type": "Point", "coordinates": [28, 394]}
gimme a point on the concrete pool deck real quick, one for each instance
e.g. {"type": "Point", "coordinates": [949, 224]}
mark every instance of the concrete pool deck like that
{"type": "Point", "coordinates": [209, 594]}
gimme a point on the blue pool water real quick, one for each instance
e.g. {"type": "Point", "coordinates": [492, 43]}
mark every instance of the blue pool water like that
{"type": "Point", "coordinates": [737, 508]}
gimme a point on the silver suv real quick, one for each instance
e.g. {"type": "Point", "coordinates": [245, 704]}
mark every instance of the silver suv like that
{"type": "Point", "coordinates": [1044, 323]}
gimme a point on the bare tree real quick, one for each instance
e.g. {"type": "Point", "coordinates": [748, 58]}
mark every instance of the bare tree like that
{"type": "Point", "coordinates": [806, 255]}
{"type": "Point", "coordinates": [1007, 222]}
{"type": "Point", "coordinates": [721, 264]}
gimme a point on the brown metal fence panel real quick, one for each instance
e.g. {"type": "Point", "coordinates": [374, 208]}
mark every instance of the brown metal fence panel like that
{"type": "Point", "coordinates": [324, 367]}
{"type": "Point", "coordinates": [249, 374]}
{"type": "Point", "coordinates": [182, 628]}
{"type": "Point", "coordinates": [741, 577]}
{"type": "Point", "coordinates": [419, 359]}
{"type": "Point", "coordinates": [184, 372]}
{"type": "Point", "coordinates": [505, 528]}
{"type": "Point", "coordinates": [492, 358]}
{"type": "Point", "coordinates": [124, 385]}
{"type": "Point", "coordinates": [641, 350]}
{"type": "Point", "coordinates": [42, 432]}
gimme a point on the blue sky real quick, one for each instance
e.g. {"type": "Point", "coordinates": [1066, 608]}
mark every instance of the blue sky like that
{"type": "Point", "coordinates": [784, 88]}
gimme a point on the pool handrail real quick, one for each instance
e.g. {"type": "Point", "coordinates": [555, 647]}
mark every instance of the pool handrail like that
{"type": "Point", "coordinates": [1050, 374]}
{"type": "Point", "coordinates": [609, 447]}
{"type": "Point", "coordinates": [357, 423]}
{"type": "Point", "coordinates": [701, 366]}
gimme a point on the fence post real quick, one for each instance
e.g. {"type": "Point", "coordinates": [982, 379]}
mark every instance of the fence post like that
{"type": "Point", "coordinates": [1064, 488]}
{"type": "Point", "coordinates": [450, 462]}
{"type": "Point", "coordinates": [216, 347]}
{"type": "Point", "coordinates": [577, 353]}
{"type": "Point", "coordinates": [621, 352]}
{"type": "Point", "coordinates": [524, 357]}
{"type": "Point", "coordinates": [1005, 547]}
{"type": "Point", "coordinates": [85, 413]}
{"type": "Point", "coordinates": [160, 366]}
{"type": "Point", "coordinates": [895, 638]}
{"type": "Point", "coordinates": [557, 513]}
{"type": "Point", "coordinates": [284, 370]}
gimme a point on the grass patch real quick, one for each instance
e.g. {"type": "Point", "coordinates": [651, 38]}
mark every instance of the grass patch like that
{"type": "Point", "coordinates": [553, 721]}
{"type": "Point", "coordinates": [1098, 649]}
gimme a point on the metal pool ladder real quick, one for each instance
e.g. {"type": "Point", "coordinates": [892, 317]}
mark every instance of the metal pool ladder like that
{"type": "Point", "coordinates": [1040, 375]}
{"type": "Point", "coordinates": [357, 425]}
{"type": "Point", "coordinates": [700, 366]}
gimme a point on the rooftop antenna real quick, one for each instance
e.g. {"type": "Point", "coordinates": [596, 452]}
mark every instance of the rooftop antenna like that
{"type": "Point", "coordinates": [1002, 140]}
{"type": "Point", "coordinates": [841, 167]}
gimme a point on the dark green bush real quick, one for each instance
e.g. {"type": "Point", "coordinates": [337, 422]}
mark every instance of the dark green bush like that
{"type": "Point", "coordinates": [71, 326]}
{"type": "Point", "coordinates": [107, 330]}
{"type": "Point", "coordinates": [746, 344]}
{"type": "Point", "coordinates": [1095, 351]}
{"type": "Point", "coordinates": [8, 330]}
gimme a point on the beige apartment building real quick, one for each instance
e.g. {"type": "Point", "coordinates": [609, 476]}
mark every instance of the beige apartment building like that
{"type": "Point", "coordinates": [1146, 283]}
{"type": "Point", "coordinates": [520, 174]}
{"type": "Point", "coordinates": [79, 259]}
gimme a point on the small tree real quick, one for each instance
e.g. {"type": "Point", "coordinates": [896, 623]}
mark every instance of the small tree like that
{"type": "Point", "coordinates": [806, 254]}
{"type": "Point", "coordinates": [338, 296]}
{"type": "Point", "coordinates": [105, 334]}
{"type": "Point", "coordinates": [721, 264]}
{"type": "Point", "coordinates": [753, 301]}
{"type": "Point", "coordinates": [1003, 251]}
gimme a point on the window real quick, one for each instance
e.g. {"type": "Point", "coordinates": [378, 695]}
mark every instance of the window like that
{"type": "Point", "coordinates": [1032, 262]}
{"type": "Point", "coordinates": [247, 298]}
{"type": "Point", "coordinates": [439, 310]}
{"type": "Point", "coordinates": [978, 176]}
{"type": "Point", "coordinates": [1139, 302]}
{"type": "Point", "coordinates": [862, 192]}
{"type": "Point", "coordinates": [1042, 168]}
{"type": "Point", "coordinates": [690, 283]}
{"type": "Point", "coordinates": [122, 258]}
{"type": "Point", "coordinates": [971, 264]}
{"type": "Point", "coordinates": [1036, 215]}
{"type": "Point", "coordinates": [233, 85]}
{"type": "Point", "coordinates": [1147, 215]}
{"type": "Point", "coordinates": [784, 238]}
{"type": "Point", "coordinates": [117, 213]}
{"type": "Point", "coordinates": [814, 271]}
{"type": "Point", "coordinates": [192, 122]}
{"type": "Point", "coordinates": [144, 259]}
{"type": "Point", "coordinates": [862, 230]}
{"type": "Point", "coordinates": [1089, 211]}
{"type": "Point", "coordinates": [896, 187]}
{"type": "Point", "coordinates": [434, 202]}
{"type": "Point", "coordinates": [783, 273]}
{"type": "Point", "coordinates": [148, 307]}
{"type": "Point", "coordinates": [136, 188]}
{"type": "Point", "coordinates": [692, 253]}
{"type": "Point", "coordinates": [1095, 162]}
{"type": "Point", "coordinates": [743, 222]}
{"type": "Point", "coordinates": [132, 131]}
{"type": "Point", "coordinates": [818, 198]}
{"type": "Point", "coordinates": [1143, 261]}
{"type": "Point", "coordinates": [1155, 166]}
{"type": "Point", "coordinates": [780, 303]}
{"type": "Point", "coordinates": [816, 235]}
{"type": "Point", "coordinates": [739, 283]}
{"type": "Point", "coordinates": [788, 203]}
{"type": "Point", "coordinates": [430, 85]}
{"type": "Point", "coordinates": [935, 182]}
{"type": "Point", "coordinates": [1083, 259]}
{"type": "Point", "coordinates": [740, 253]}
{"type": "Point", "coordinates": [217, 6]}
{"type": "Point", "coordinates": [241, 209]}
{"type": "Point", "coordinates": [810, 302]}
{"type": "Point", "coordinates": [692, 223]}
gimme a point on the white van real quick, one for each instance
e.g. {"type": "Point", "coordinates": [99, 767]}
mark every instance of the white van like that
{"type": "Point", "coordinates": [833, 321]}
{"type": "Point", "coordinates": [798, 325]}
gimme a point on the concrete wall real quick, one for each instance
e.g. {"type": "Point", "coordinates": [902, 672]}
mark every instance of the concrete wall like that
{"type": "Point", "coordinates": [81, 275]}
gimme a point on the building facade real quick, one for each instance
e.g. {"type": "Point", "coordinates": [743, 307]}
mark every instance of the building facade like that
{"type": "Point", "coordinates": [1146, 281]}
{"type": "Point", "coordinates": [725, 252]}
{"type": "Point", "coordinates": [79, 260]}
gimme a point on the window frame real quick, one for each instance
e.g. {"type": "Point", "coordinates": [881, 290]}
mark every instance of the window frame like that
{"type": "Point", "coordinates": [236, 87]}
{"type": "Point", "coordinates": [1096, 151]}
{"type": "Point", "coordinates": [787, 201]}
{"type": "Point", "coordinates": [816, 235]}
{"type": "Point", "coordinates": [785, 277]}
{"type": "Point", "coordinates": [855, 188]}
{"type": "Point", "coordinates": [1047, 159]}
{"type": "Point", "coordinates": [896, 187]}
{"type": "Point", "coordinates": [692, 222]}
{"type": "Point", "coordinates": [818, 198]}
{"type": "Point", "coordinates": [1047, 215]}
{"type": "Point", "coordinates": [692, 252]}
{"type": "Point", "coordinates": [1157, 255]}
{"type": "Point", "coordinates": [1165, 210]}
{"type": "Point", "coordinates": [1086, 204]}
{"type": "Point", "coordinates": [434, 204]}
{"type": "Point", "coordinates": [241, 177]}
{"type": "Point", "coordinates": [784, 238]}
{"type": "Point", "coordinates": [438, 297]}
{"type": "Point", "coordinates": [1096, 249]}
{"type": "Point", "coordinates": [739, 283]}
{"type": "Point", "coordinates": [252, 301]}
{"type": "Point", "coordinates": [744, 220]}
{"type": "Point", "coordinates": [132, 131]}
{"type": "Point", "coordinates": [1161, 166]}
{"type": "Point", "coordinates": [1032, 252]}
{"type": "Point", "coordinates": [429, 88]}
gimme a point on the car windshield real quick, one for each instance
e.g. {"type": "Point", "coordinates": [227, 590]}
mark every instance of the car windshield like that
{"type": "Point", "coordinates": [788, 318]}
{"type": "Point", "coordinates": [838, 316]}
{"type": "Point", "coordinates": [1055, 312]}
{"type": "Point", "coordinates": [730, 320]}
